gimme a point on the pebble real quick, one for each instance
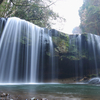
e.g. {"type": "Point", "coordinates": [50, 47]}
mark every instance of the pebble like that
{"type": "Point", "coordinates": [44, 99]}
{"type": "Point", "coordinates": [33, 98]}
{"type": "Point", "coordinates": [3, 95]}
{"type": "Point", "coordinates": [7, 94]}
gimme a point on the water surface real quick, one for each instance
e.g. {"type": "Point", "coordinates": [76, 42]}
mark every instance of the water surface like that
{"type": "Point", "coordinates": [53, 91]}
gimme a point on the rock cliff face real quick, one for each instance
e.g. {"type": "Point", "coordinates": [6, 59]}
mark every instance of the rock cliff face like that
{"type": "Point", "coordinates": [78, 55]}
{"type": "Point", "coordinates": [75, 56]}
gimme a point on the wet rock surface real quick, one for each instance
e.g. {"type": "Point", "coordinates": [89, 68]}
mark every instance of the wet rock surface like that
{"type": "Point", "coordinates": [94, 81]}
{"type": "Point", "coordinates": [7, 96]}
{"type": "Point", "coordinates": [44, 99]}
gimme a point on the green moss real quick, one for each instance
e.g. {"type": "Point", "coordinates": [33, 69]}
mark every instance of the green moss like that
{"type": "Point", "coordinates": [62, 42]}
{"type": "Point", "coordinates": [85, 36]}
{"type": "Point", "coordinates": [48, 53]}
{"type": "Point", "coordinates": [92, 75]}
{"type": "Point", "coordinates": [25, 40]}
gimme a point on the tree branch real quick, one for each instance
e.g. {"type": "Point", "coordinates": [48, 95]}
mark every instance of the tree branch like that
{"type": "Point", "coordinates": [1, 1]}
{"type": "Point", "coordinates": [34, 5]}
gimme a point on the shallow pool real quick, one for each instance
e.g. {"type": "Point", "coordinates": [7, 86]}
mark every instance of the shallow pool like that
{"type": "Point", "coordinates": [52, 91]}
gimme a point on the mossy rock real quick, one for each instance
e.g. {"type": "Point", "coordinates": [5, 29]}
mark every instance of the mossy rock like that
{"type": "Point", "coordinates": [61, 42]}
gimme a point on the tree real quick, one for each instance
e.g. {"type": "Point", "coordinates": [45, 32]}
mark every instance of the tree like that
{"type": "Point", "coordinates": [34, 11]}
{"type": "Point", "coordinates": [90, 16]}
{"type": "Point", "coordinates": [5, 8]}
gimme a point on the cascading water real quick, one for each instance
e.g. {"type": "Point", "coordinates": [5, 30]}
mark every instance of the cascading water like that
{"type": "Point", "coordinates": [20, 51]}
{"type": "Point", "coordinates": [80, 54]}
{"type": "Point", "coordinates": [92, 39]}
{"type": "Point", "coordinates": [73, 41]}
{"type": "Point", "coordinates": [86, 53]}
{"type": "Point", "coordinates": [76, 44]}
{"type": "Point", "coordinates": [29, 55]}
{"type": "Point", "coordinates": [2, 24]}
{"type": "Point", "coordinates": [52, 59]}
{"type": "Point", "coordinates": [95, 45]}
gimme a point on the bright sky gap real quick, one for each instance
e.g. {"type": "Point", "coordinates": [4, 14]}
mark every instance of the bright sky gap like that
{"type": "Point", "coordinates": [69, 10]}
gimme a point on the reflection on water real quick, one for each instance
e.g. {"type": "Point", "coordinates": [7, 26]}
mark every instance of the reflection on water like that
{"type": "Point", "coordinates": [55, 91]}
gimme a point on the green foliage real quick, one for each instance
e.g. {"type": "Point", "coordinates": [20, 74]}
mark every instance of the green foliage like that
{"type": "Point", "coordinates": [90, 16]}
{"type": "Point", "coordinates": [62, 43]}
{"type": "Point", "coordinates": [34, 11]}
{"type": "Point", "coordinates": [72, 57]}
{"type": "Point", "coordinates": [92, 75]}
{"type": "Point", "coordinates": [6, 8]}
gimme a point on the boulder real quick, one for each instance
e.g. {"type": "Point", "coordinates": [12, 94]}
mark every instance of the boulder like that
{"type": "Point", "coordinates": [3, 95]}
{"type": "Point", "coordinates": [94, 81]}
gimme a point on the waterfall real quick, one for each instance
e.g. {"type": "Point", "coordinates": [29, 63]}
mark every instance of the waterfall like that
{"type": "Point", "coordinates": [85, 48]}
{"type": "Point", "coordinates": [52, 59]}
{"type": "Point", "coordinates": [21, 44]}
{"type": "Point", "coordinates": [73, 41]}
{"type": "Point", "coordinates": [80, 54]}
{"type": "Point", "coordinates": [76, 46]}
{"type": "Point", "coordinates": [93, 39]}
{"type": "Point", "coordinates": [30, 54]}
{"type": "Point", "coordinates": [2, 24]}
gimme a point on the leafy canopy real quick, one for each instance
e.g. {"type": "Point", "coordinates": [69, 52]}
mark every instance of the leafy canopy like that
{"type": "Point", "coordinates": [90, 16]}
{"type": "Point", "coordinates": [35, 11]}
